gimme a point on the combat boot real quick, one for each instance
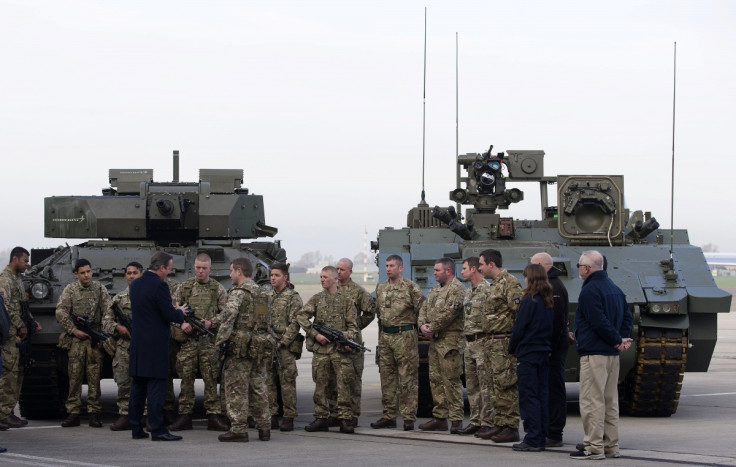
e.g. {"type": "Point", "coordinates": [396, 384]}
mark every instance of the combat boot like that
{"type": "Point", "coordinates": [264, 435]}
{"type": "Point", "coordinates": [507, 435]}
{"type": "Point", "coordinates": [333, 422]}
{"type": "Point", "coordinates": [319, 424]}
{"type": "Point", "coordinates": [22, 421]}
{"type": "Point", "coordinates": [274, 422]}
{"type": "Point", "coordinates": [3, 426]}
{"type": "Point", "coordinates": [487, 432]}
{"type": "Point", "coordinates": [435, 424]}
{"type": "Point", "coordinates": [384, 423]}
{"type": "Point", "coordinates": [11, 423]}
{"type": "Point", "coordinates": [214, 423]}
{"type": "Point", "coordinates": [184, 422]}
{"type": "Point", "coordinates": [346, 427]}
{"type": "Point", "coordinates": [408, 425]}
{"type": "Point", "coordinates": [354, 422]}
{"type": "Point", "coordinates": [94, 420]}
{"type": "Point", "coordinates": [121, 424]}
{"type": "Point", "coordinates": [233, 437]}
{"type": "Point", "coordinates": [456, 426]}
{"type": "Point", "coordinates": [71, 420]}
{"type": "Point", "coordinates": [468, 430]}
{"type": "Point", "coordinates": [287, 424]}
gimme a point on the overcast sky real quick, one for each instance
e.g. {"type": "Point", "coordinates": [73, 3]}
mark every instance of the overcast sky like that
{"type": "Point", "coordinates": [320, 102]}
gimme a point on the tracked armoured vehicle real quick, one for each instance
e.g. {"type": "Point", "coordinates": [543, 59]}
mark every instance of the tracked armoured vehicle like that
{"type": "Point", "coordinates": [134, 218]}
{"type": "Point", "coordinates": [671, 295]}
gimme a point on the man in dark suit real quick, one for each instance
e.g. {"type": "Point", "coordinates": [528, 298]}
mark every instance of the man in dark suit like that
{"type": "Point", "coordinates": [152, 311]}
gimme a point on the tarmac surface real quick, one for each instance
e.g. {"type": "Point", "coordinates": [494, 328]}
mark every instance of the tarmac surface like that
{"type": "Point", "coordinates": [700, 433]}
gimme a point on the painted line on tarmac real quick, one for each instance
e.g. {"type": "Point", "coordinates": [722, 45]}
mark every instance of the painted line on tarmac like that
{"type": "Point", "coordinates": [705, 395]}
{"type": "Point", "coordinates": [56, 462]}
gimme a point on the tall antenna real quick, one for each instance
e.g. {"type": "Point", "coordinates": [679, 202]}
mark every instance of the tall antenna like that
{"type": "Point", "coordinates": [424, 101]}
{"type": "Point", "coordinates": [457, 122]}
{"type": "Point", "coordinates": [672, 192]}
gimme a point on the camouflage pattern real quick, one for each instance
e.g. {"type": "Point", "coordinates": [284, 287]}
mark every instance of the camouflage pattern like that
{"type": "Point", "coordinates": [11, 379]}
{"type": "Point", "coordinates": [398, 359]}
{"type": "Point", "coordinates": [243, 374]}
{"type": "Point", "coordinates": [338, 312]}
{"type": "Point", "coordinates": [170, 401]}
{"type": "Point", "coordinates": [505, 299]}
{"type": "Point", "coordinates": [283, 307]}
{"type": "Point", "coordinates": [477, 306]}
{"type": "Point", "coordinates": [366, 308]}
{"type": "Point", "coordinates": [443, 310]}
{"type": "Point", "coordinates": [206, 300]}
{"type": "Point", "coordinates": [121, 359]}
{"type": "Point", "coordinates": [90, 302]}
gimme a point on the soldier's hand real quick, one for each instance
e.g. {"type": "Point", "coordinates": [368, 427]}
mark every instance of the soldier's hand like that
{"type": "Point", "coordinates": [23, 332]}
{"type": "Point", "coordinates": [186, 327]}
{"type": "Point", "coordinates": [322, 339]}
{"type": "Point", "coordinates": [80, 334]}
{"type": "Point", "coordinates": [425, 330]}
{"type": "Point", "coordinates": [38, 326]}
{"type": "Point", "coordinates": [122, 331]}
{"type": "Point", "coordinates": [207, 323]}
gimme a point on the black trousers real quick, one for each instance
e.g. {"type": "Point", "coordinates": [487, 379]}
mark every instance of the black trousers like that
{"type": "Point", "coordinates": [557, 394]}
{"type": "Point", "coordinates": [532, 371]}
{"type": "Point", "coordinates": [155, 390]}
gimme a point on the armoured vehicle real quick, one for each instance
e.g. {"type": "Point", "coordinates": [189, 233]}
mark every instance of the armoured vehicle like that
{"type": "Point", "coordinates": [132, 219]}
{"type": "Point", "coordinates": [671, 294]}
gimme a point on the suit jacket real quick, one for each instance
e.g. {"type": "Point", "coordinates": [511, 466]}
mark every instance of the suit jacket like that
{"type": "Point", "coordinates": [152, 312]}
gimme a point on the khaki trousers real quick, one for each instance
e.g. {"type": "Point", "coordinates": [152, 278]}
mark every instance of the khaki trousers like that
{"type": "Point", "coordinates": [599, 402]}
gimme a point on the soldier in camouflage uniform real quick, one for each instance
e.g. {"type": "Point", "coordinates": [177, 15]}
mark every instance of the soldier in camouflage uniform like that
{"type": "Point", "coordinates": [335, 309]}
{"type": "Point", "coordinates": [441, 321]}
{"type": "Point", "coordinates": [397, 303]}
{"type": "Point", "coordinates": [244, 325]}
{"type": "Point", "coordinates": [121, 360]}
{"type": "Point", "coordinates": [505, 300]}
{"type": "Point", "coordinates": [89, 299]}
{"type": "Point", "coordinates": [206, 297]}
{"type": "Point", "coordinates": [284, 303]}
{"type": "Point", "coordinates": [11, 376]}
{"type": "Point", "coordinates": [170, 413]}
{"type": "Point", "coordinates": [366, 308]}
{"type": "Point", "coordinates": [477, 307]}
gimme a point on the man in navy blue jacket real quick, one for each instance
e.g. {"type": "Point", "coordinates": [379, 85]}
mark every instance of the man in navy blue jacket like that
{"type": "Point", "coordinates": [152, 311]}
{"type": "Point", "coordinates": [602, 329]}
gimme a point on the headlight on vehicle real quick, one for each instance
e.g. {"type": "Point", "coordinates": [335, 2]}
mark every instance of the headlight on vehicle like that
{"type": "Point", "coordinates": [40, 290]}
{"type": "Point", "coordinates": [661, 308]}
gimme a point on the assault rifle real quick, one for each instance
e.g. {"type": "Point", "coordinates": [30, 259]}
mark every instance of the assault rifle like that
{"type": "Point", "coordinates": [86, 325]}
{"type": "Point", "coordinates": [121, 317]}
{"type": "Point", "coordinates": [221, 355]}
{"type": "Point", "coordinates": [198, 326]}
{"type": "Point", "coordinates": [25, 348]}
{"type": "Point", "coordinates": [333, 335]}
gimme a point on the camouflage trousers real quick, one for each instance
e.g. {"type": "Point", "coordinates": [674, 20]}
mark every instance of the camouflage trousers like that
{"type": "Point", "coordinates": [82, 356]}
{"type": "Point", "coordinates": [445, 370]}
{"type": "Point", "coordinates": [398, 365]}
{"type": "Point", "coordinates": [242, 379]}
{"type": "Point", "coordinates": [339, 366]}
{"type": "Point", "coordinates": [478, 381]}
{"type": "Point", "coordinates": [505, 393]}
{"type": "Point", "coordinates": [285, 377]}
{"type": "Point", "coordinates": [170, 401]}
{"type": "Point", "coordinates": [192, 356]}
{"type": "Point", "coordinates": [120, 371]}
{"type": "Point", "coordinates": [358, 359]}
{"type": "Point", "coordinates": [11, 379]}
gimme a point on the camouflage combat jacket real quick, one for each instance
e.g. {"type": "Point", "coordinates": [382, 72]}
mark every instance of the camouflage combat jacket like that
{"type": "Point", "coordinates": [13, 293]}
{"type": "Point", "coordinates": [478, 307]}
{"type": "Point", "coordinates": [88, 302]}
{"type": "Point", "coordinates": [443, 309]}
{"type": "Point", "coordinates": [207, 299]}
{"type": "Point", "coordinates": [283, 307]}
{"type": "Point", "coordinates": [109, 320]}
{"type": "Point", "coordinates": [364, 303]}
{"type": "Point", "coordinates": [244, 322]}
{"type": "Point", "coordinates": [336, 311]}
{"type": "Point", "coordinates": [398, 304]}
{"type": "Point", "coordinates": [505, 300]}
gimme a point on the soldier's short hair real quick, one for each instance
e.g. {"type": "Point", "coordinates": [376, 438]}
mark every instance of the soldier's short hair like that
{"type": "Point", "coordinates": [283, 267]}
{"type": "Point", "coordinates": [159, 259]}
{"type": "Point", "coordinates": [134, 264]}
{"type": "Point", "coordinates": [204, 257]}
{"type": "Point", "coordinates": [346, 260]}
{"type": "Point", "coordinates": [331, 269]}
{"type": "Point", "coordinates": [446, 263]}
{"type": "Point", "coordinates": [243, 264]}
{"type": "Point", "coordinates": [472, 262]}
{"type": "Point", "coordinates": [396, 258]}
{"type": "Point", "coordinates": [80, 263]}
{"type": "Point", "coordinates": [492, 256]}
{"type": "Point", "coordinates": [18, 252]}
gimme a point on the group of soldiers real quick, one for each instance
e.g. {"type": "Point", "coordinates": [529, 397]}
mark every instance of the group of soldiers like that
{"type": "Point", "coordinates": [249, 339]}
